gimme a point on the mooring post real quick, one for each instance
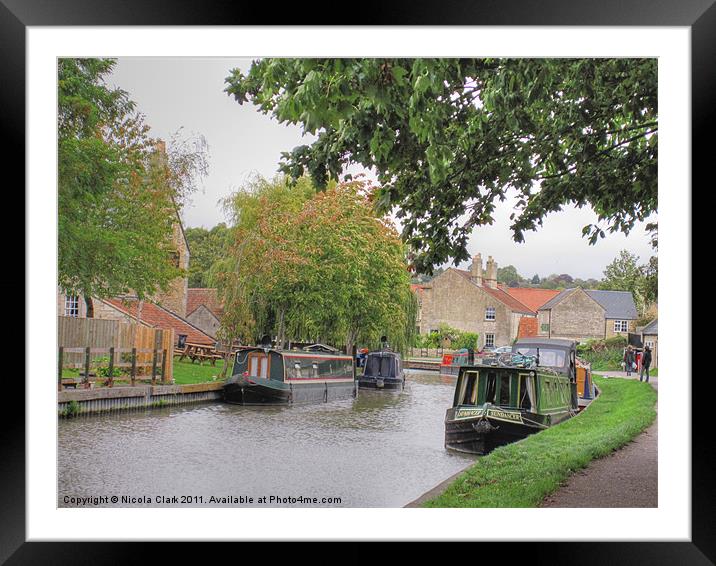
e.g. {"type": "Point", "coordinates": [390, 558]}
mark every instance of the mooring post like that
{"type": "Point", "coordinates": [154, 366]}
{"type": "Point", "coordinates": [134, 365]}
{"type": "Point", "coordinates": [111, 366]}
{"type": "Point", "coordinates": [87, 368]}
{"type": "Point", "coordinates": [59, 369]}
{"type": "Point", "coordinates": [164, 365]}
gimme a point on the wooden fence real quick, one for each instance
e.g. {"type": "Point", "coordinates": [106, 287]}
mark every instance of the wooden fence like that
{"type": "Point", "coordinates": [127, 358]}
{"type": "Point", "coordinates": [141, 343]}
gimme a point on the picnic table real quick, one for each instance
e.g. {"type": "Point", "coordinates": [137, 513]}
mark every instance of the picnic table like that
{"type": "Point", "coordinates": [199, 352]}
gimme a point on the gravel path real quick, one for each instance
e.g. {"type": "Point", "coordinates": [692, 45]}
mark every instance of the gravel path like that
{"type": "Point", "coordinates": [626, 478]}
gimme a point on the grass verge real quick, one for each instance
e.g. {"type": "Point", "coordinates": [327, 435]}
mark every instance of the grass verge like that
{"type": "Point", "coordinates": [186, 372]}
{"type": "Point", "coordinates": [524, 473]}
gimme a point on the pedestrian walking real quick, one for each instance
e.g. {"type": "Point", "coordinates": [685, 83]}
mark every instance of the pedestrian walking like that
{"type": "Point", "coordinates": [629, 359]}
{"type": "Point", "coordinates": [645, 364]}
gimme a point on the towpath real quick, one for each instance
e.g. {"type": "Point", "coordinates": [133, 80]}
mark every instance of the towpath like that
{"type": "Point", "coordinates": [626, 478]}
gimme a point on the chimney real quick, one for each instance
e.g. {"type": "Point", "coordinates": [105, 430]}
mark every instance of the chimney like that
{"type": "Point", "coordinates": [491, 273]}
{"type": "Point", "coordinates": [476, 269]}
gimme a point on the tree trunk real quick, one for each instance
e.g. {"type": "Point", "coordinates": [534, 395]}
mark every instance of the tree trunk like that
{"type": "Point", "coordinates": [350, 340]}
{"type": "Point", "coordinates": [281, 327]}
{"type": "Point", "coordinates": [90, 306]}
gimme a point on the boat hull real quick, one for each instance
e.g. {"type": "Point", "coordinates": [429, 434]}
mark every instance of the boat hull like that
{"type": "Point", "coordinates": [256, 391]}
{"type": "Point", "coordinates": [449, 370]}
{"type": "Point", "coordinates": [370, 382]}
{"type": "Point", "coordinates": [489, 429]}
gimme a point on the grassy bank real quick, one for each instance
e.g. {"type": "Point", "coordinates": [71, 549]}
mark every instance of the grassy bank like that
{"type": "Point", "coordinates": [186, 372]}
{"type": "Point", "coordinates": [524, 473]}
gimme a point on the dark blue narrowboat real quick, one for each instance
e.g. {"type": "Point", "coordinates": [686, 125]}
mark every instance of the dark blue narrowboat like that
{"type": "Point", "coordinates": [272, 376]}
{"type": "Point", "coordinates": [383, 370]}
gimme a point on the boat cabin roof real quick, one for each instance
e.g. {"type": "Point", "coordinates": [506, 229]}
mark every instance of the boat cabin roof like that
{"type": "Point", "coordinates": [545, 343]}
{"type": "Point", "coordinates": [303, 353]}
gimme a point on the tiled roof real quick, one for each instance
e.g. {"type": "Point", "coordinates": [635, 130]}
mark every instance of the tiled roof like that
{"type": "Point", "coordinates": [527, 327]}
{"type": "Point", "coordinates": [651, 328]}
{"type": "Point", "coordinates": [511, 302]}
{"type": "Point", "coordinates": [616, 304]}
{"type": "Point", "coordinates": [203, 296]}
{"type": "Point", "coordinates": [159, 317]}
{"type": "Point", "coordinates": [530, 297]}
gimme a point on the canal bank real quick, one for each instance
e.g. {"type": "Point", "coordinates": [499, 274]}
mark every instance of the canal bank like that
{"type": "Point", "coordinates": [88, 401]}
{"type": "Point", "coordinates": [524, 473]}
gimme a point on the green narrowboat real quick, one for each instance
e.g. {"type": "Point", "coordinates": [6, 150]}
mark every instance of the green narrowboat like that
{"type": "Point", "coordinates": [272, 376]}
{"type": "Point", "coordinates": [498, 404]}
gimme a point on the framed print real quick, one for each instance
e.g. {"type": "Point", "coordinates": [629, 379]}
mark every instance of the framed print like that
{"type": "Point", "coordinates": [286, 304]}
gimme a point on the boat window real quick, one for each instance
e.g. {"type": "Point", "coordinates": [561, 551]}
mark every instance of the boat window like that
{"type": "Point", "coordinates": [505, 390]}
{"type": "Point", "coordinates": [547, 357]}
{"type": "Point", "coordinates": [491, 387]}
{"type": "Point", "coordinates": [307, 367]}
{"type": "Point", "coordinates": [524, 398]}
{"type": "Point", "coordinates": [469, 389]}
{"type": "Point", "coordinates": [258, 365]}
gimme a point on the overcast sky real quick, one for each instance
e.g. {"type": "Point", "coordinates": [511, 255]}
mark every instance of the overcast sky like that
{"type": "Point", "coordinates": [188, 93]}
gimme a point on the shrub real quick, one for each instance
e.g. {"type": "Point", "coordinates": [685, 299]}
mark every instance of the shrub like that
{"type": "Point", "coordinates": [456, 338]}
{"type": "Point", "coordinates": [466, 340]}
{"type": "Point", "coordinates": [617, 341]}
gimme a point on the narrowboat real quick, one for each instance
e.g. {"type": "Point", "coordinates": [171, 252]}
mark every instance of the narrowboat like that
{"type": "Point", "coordinates": [496, 404]}
{"type": "Point", "coordinates": [561, 356]}
{"type": "Point", "coordinates": [273, 376]}
{"type": "Point", "coordinates": [382, 370]}
{"type": "Point", "coordinates": [451, 363]}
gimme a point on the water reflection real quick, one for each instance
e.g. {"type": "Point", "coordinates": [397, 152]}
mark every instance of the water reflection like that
{"type": "Point", "coordinates": [382, 449]}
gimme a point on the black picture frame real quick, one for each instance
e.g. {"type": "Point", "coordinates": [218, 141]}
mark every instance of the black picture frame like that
{"type": "Point", "coordinates": [698, 15]}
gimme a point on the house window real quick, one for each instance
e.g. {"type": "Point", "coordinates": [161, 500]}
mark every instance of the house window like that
{"type": "Point", "coordinates": [490, 313]}
{"type": "Point", "coordinates": [621, 326]}
{"type": "Point", "coordinates": [175, 259]}
{"type": "Point", "coordinates": [490, 340]}
{"type": "Point", "coordinates": [72, 305]}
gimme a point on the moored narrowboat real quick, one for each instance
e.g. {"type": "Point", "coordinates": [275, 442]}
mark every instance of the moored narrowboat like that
{"type": "Point", "coordinates": [560, 355]}
{"type": "Point", "coordinates": [271, 376]}
{"type": "Point", "coordinates": [383, 370]}
{"type": "Point", "coordinates": [495, 405]}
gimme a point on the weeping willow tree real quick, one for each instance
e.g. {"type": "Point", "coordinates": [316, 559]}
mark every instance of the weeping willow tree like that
{"type": "Point", "coordinates": [307, 266]}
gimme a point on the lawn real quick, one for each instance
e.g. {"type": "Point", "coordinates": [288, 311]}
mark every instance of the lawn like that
{"type": "Point", "coordinates": [524, 473]}
{"type": "Point", "coordinates": [185, 372]}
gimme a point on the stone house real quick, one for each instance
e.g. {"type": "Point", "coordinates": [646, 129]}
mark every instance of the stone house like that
{"type": "Point", "coordinates": [471, 301]}
{"type": "Point", "coordinates": [580, 314]}
{"type": "Point", "coordinates": [204, 309]}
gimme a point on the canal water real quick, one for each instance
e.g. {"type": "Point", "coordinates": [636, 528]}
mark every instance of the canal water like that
{"type": "Point", "coordinates": [381, 449]}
